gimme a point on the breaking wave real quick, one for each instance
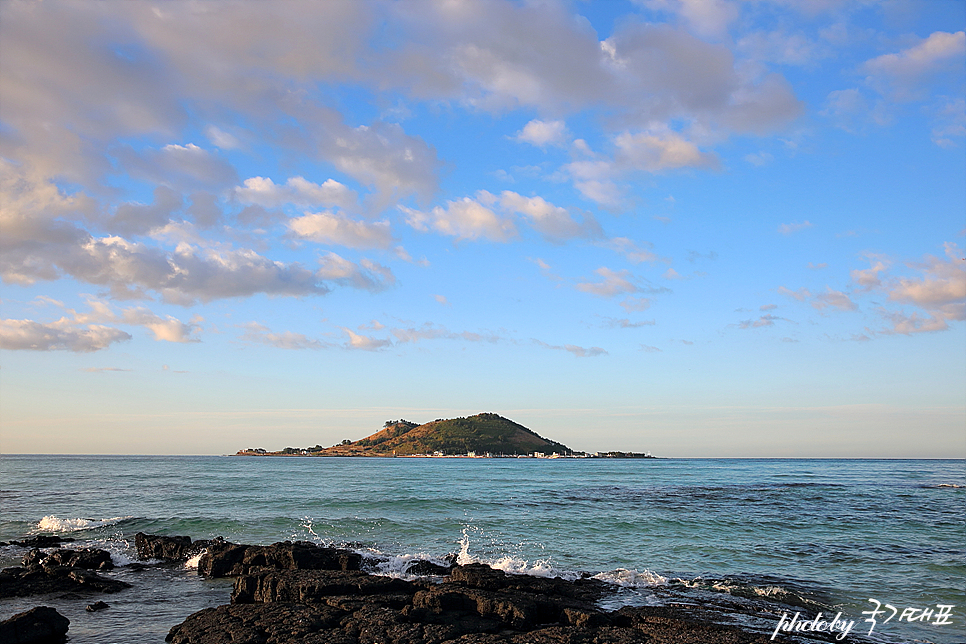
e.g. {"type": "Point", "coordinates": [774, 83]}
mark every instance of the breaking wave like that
{"type": "Point", "coordinates": [51, 523]}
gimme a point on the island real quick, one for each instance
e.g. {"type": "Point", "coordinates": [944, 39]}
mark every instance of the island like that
{"type": "Point", "coordinates": [485, 435]}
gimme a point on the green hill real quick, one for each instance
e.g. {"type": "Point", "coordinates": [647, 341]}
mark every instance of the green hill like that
{"type": "Point", "coordinates": [481, 434]}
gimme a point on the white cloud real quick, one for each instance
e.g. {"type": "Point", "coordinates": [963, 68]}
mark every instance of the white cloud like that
{"type": "Point", "coordinates": [950, 122]}
{"type": "Point", "coordinates": [901, 75]}
{"type": "Point", "coordinates": [332, 228]}
{"type": "Point", "coordinates": [612, 283]}
{"type": "Point", "coordinates": [259, 334]}
{"type": "Point", "coordinates": [578, 351]}
{"type": "Point", "coordinates": [761, 321]}
{"type": "Point", "coordinates": [634, 252]}
{"type": "Point", "coordinates": [221, 139]}
{"type": "Point", "coordinates": [543, 133]}
{"type": "Point", "coordinates": [656, 152]}
{"type": "Point", "coordinates": [635, 304]}
{"type": "Point", "coordinates": [366, 275]}
{"type": "Point", "coordinates": [943, 282]}
{"type": "Point", "coordinates": [364, 342]}
{"type": "Point", "coordinates": [168, 329]}
{"type": "Point", "coordinates": [185, 167]}
{"type": "Point", "coordinates": [296, 191]}
{"type": "Point", "coordinates": [62, 335]}
{"type": "Point", "coordinates": [138, 219]}
{"type": "Point", "coordinates": [466, 218]}
{"type": "Point", "coordinates": [556, 224]}
{"type": "Point", "coordinates": [835, 300]}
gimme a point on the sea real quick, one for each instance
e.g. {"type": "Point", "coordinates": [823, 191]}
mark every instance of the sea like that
{"type": "Point", "coordinates": [863, 539]}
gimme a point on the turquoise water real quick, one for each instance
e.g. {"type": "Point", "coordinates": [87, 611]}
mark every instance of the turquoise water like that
{"type": "Point", "coordinates": [844, 530]}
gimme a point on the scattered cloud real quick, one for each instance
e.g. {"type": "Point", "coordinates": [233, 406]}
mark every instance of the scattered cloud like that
{"type": "Point", "coordinates": [611, 283]}
{"type": "Point", "coordinates": [580, 352]}
{"type": "Point", "coordinates": [335, 229]}
{"type": "Point", "coordinates": [634, 252]}
{"type": "Point", "coordinates": [492, 217]}
{"type": "Point", "coordinates": [543, 133]}
{"type": "Point", "coordinates": [256, 333]}
{"type": "Point", "coordinates": [901, 75]}
{"type": "Point", "coordinates": [762, 321]}
{"type": "Point", "coordinates": [625, 323]}
{"type": "Point", "coordinates": [364, 342]}
{"type": "Point", "coordinates": [788, 229]}
{"type": "Point", "coordinates": [62, 335]}
{"type": "Point", "coordinates": [296, 191]}
{"type": "Point", "coordinates": [801, 294]}
{"type": "Point", "coordinates": [466, 219]}
{"type": "Point", "coordinates": [832, 299]}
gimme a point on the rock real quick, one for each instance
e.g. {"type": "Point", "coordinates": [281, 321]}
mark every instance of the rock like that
{"type": "Point", "coordinates": [230, 560]}
{"type": "Point", "coordinates": [40, 625]}
{"type": "Point", "coordinates": [315, 586]}
{"type": "Point", "coordinates": [36, 580]}
{"type": "Point", "coordinates": [424, 568]}
{"type": "Point", "coordinates": [41, 541]}
{"type": "Point", "coordinates": [151, 546]}
{"type": "Point", "coordinates": [267, 624]}
{"type": "Point", "coordinates": [96, 606]}
{"type": "Point", "coordinates": [90, 558]}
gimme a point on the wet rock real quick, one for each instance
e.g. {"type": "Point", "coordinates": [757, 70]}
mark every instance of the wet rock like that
{"type": "Point", "coordinates": [474, 605]}
{"type": "Point", "coordinates": [41, 541]}
{"type": "Point", "coordinates": [423, 568]}
{"type": "Point", "coordinates": [151, 546]}
{"type": "Point", "coordinates": [37, 580]}
{"type": "Point", "coordinates": [96, 606]}
{"type": "Point", "coordinates": [90, 558]}
{"type": "Point", "coordinates": [315, 586]}
{"type": "Point", "coordinates": [264, 624]}
{"type": "Point", "coordinates": [40, 625]}
{"type": "Point", "coordinates": [230, 560]}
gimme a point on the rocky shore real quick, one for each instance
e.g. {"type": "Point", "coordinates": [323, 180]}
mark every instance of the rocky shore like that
{"type": "Point", "coordinates": [301, 593]}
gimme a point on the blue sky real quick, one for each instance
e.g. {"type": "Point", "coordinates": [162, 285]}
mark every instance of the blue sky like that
{"type": "Point", "coordinates": [690, 227]}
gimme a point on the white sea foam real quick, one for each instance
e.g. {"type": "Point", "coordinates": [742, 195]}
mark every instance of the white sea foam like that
{"type": "Point", "coordinates": [192, 563]}
{"type": "Point", "coordinates": [631, 578]}
{"type": "Point", "coordinates": [51, 523]}
{"type": "Point", "coordinates": [397, 565]}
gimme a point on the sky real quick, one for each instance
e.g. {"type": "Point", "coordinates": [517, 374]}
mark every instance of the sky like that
{"type": "Point", "coordinates": [699, 228]}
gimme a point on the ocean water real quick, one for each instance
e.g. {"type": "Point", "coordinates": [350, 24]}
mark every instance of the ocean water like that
{"type": "Point", "coordinates": [838, 533]}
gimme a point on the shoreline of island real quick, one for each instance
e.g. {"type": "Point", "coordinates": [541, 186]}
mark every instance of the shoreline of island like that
{"type": "Point", "coordinates": [485, 435]}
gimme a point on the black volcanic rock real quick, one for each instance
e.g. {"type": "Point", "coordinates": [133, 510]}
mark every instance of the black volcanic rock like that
{"type": "Point", "coordinates": [315, 586]}
{"type": "Point", "coordinates": [230, 560]}
{"type": "Point", "coordinates": [37, 580]}
{"type": "Point", "coordinates": [151, 546]}
{"type": "Point", "coordinates": [40, 625]}
{"type": "Point", "coordinates": [422, 567]}
{"type": "Point", "coordinates": [41, 541]}
{"type": "Point", "coordinates": [474, 605]}
{"type": "Point", "coordinates": [89, 558]}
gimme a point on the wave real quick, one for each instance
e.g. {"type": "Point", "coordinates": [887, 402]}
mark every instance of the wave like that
{"type": "Point", "coordinates": [803, 595]}
{"type": "Point", "coordinates": [51, 523]}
